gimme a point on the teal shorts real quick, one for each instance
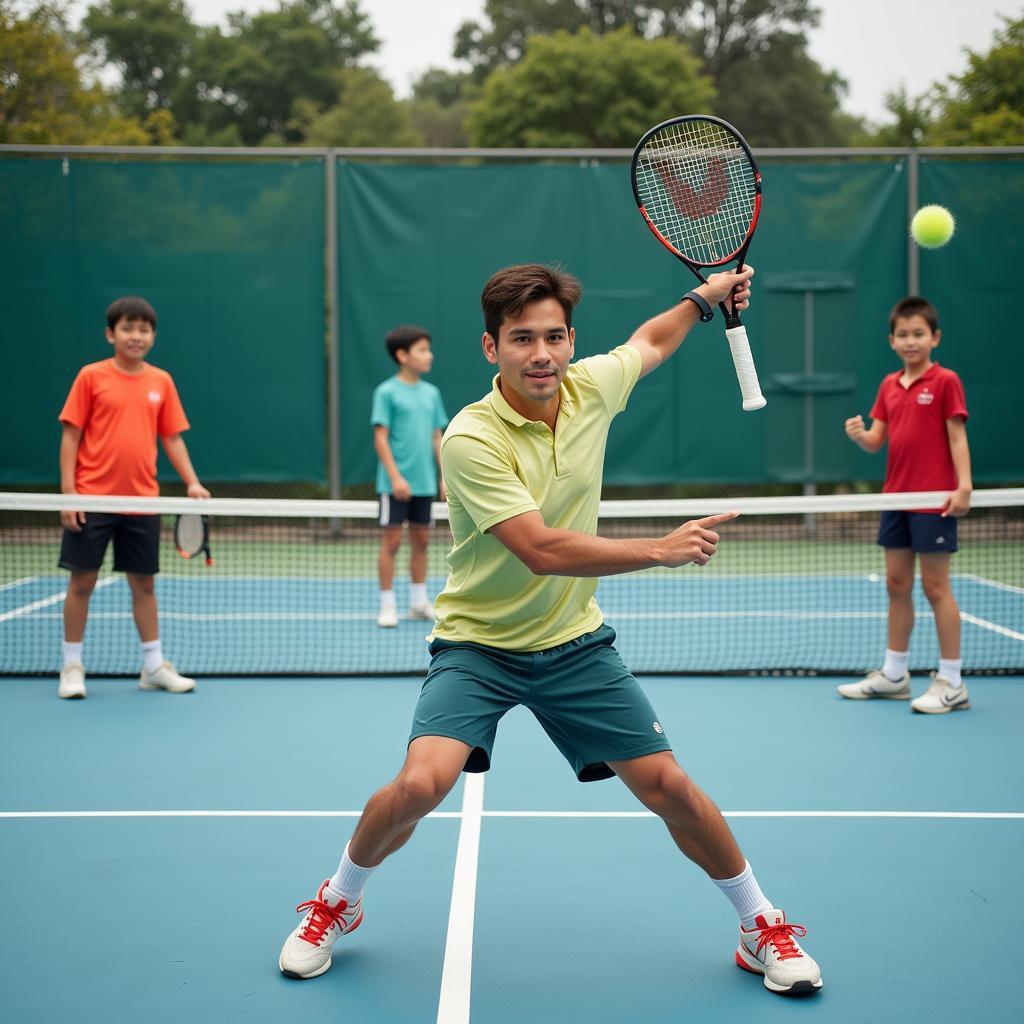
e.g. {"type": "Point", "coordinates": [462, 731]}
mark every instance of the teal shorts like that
{"type": "Point", "coordinates": [584, 697]}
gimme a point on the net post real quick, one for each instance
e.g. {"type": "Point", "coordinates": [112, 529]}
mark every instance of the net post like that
{"type": "Point", "coordinates": [333, 333]}
{"type": "Point", "coordinates": [913, 198]}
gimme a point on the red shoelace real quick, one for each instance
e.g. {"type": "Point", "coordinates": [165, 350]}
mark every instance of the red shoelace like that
{"type": "Point", "coordinates": [322, 917]}
{"type": "Point", "coordinates": [781, 935]}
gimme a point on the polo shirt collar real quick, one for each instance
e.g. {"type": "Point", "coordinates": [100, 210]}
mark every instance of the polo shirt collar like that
{"type": "Point", "coordinates": [927, 375]}
{"type": "Point", "coordinates": [499, 404]}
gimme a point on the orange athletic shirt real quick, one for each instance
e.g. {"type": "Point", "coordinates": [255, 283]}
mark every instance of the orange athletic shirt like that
{"type": "Point", "coordinates": [121, 415]}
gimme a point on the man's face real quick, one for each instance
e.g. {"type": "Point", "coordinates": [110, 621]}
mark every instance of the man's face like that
{"type": "Point", "coordinates": [419, 359]}
{"type": "Point", "coordinates": [132, 339]}
{"type": "Point", "coordinates": [533, 352]}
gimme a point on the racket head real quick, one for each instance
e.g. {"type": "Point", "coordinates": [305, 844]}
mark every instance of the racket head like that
{"type": "Point", "coordinates": [697, 185]}
{"type": "Point", "coordinates": [191, 533]}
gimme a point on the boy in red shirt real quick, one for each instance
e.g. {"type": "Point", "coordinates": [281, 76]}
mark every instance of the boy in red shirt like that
{"type": "Point", "coordinates": [922, 412]}
{"type": "Point", "coordinates": [111, 420]}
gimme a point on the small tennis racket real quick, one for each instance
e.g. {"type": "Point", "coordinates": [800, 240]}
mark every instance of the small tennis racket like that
{"type": "Point", "coordinates": [192, 536]}
{"type": "Point", "coordinates": [699, 189]}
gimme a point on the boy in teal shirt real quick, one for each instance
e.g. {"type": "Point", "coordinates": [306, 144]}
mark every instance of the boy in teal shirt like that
{"type": "Point", "coordinates": [408, 416]}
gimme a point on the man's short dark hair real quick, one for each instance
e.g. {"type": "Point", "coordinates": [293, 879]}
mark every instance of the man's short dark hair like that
{"type": "Point", "coordinates": [130, 307]}
{"type": "Point", "coordinates": [509, 290]}
{"type": "Point", "coordinates": [914, 305]}
{"type": "Point", "coordinates": [402, 338]}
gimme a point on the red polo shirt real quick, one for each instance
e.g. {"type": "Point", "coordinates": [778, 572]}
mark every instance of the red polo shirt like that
{"type": "Point", "coordinates": [919, 458]}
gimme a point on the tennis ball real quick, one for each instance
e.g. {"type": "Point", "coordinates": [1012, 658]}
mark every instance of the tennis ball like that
{"type": "Point", "coordinates": [932, 226]}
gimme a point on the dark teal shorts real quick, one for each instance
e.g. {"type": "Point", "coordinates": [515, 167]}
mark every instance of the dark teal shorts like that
{"type": "Point", "coordinates": [584, 697]}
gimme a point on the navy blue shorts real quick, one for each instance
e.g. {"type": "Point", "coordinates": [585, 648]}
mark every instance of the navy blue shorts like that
{"type": "Point", "coordinates": [922, 531]}
{"type": "Point", "coordinates": [136, 543]}
{"type": "Point", "coordinates": [416, 510]}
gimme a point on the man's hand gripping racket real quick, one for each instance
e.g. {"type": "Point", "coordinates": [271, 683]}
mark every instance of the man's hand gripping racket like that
{"type": "Point", "coordinates": [699, 190]}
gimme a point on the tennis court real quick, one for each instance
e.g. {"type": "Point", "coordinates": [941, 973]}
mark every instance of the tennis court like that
{"type": "Point", "coordinates": [154, 854]}
{"type": "Point", "coordinates": [154, 846]}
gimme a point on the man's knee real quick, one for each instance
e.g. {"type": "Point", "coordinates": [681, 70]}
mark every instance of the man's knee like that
{"type": "Point", "coordinates": [420, 788]}
{"type": "Point", "coordinates": [82, 584]}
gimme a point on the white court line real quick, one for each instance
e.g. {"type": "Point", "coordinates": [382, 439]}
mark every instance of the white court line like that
{"type": "Point", "coordinates": [752, 614]}
{"type": "Point", "coordinates": [986, 582]}
{"type": "Point", "coordinates": [45, 602]}
{"type": "Point", "coordinates": [457, 973]}
{"type": "Point", "coordinates": [994, 627]}
{"type": "Point", "coordinates": [471, 809]}
{"type": "Point", "coordinates": [18, 583]}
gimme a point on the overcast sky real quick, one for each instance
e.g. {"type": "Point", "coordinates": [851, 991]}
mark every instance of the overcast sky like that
{"type": "Point", "coordinates": [876, 45]}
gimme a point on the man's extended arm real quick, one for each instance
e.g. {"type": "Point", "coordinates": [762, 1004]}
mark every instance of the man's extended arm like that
{"type": "Point", "coordinates": [658, 338]}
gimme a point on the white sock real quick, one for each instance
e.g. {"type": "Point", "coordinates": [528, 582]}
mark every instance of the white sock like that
{"type": "Point", "coordinates": [895, 666]}
{"type": "Point", "coordinates": [745, 895]}
{"type": "Point", "coordinates": [387, 599]}
{"type": "Point", "coordinates": [417, 594]}
{"type": "Point", "coordinates": [949, 668]}
{"type": "Point", "coordinates": [152, 655]}
{"type": "Point", "coordinates": [72, 652]}
{"type": "Point", "coordinates": [349, 880]}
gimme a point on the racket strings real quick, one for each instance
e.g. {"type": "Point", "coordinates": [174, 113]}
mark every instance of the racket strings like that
{"type": "Point", "coordinates": [699, 189]}
{"type": "Point", "coordinates": [191, 534]}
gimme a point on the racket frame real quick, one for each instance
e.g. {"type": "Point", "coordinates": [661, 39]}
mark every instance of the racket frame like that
{"type": "Point", "coordinates": [203, 547]}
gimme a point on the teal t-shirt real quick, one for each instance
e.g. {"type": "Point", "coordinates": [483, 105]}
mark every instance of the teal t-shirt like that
{"type": "Point", "coordinates": [411, 412]}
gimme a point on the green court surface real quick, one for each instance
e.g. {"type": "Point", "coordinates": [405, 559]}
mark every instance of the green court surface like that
{"type": "Point", "coordinates": [153, 849]}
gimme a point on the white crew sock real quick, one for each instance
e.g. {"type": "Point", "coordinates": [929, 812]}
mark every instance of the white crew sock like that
{"type": "Point", "coordinates": [417, 594]}
{"type": "Point", "coordinates": [745, 895]}
{"type": "Point", "coordinates": [152, 655]}
{"type": "Point", "coordinates": [72, 652]}
{"type": "Point", "coordinates": [387, 599]}
{"type": "Point", "coordinates": [895, 666]}
{"type": "Point", "coordinates": [349, 880]}
{"type": "Point", "coordinates": [949, 668]}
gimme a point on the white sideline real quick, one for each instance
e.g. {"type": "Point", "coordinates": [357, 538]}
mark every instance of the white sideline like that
{"type": "Point", "coordinates": [44, 602]}
{"type": "Point", "coordinates": [457, 973]}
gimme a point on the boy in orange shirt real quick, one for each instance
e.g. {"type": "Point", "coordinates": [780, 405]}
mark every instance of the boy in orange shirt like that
{"type": "Point", "coordinates": [111, 420]}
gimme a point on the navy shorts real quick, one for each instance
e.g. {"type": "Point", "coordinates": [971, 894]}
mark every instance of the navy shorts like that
{"type": "Point", "coordinates": [583, 696]}
{"type": "Point", "coordinates": [136, 543]}
{"type": "Point", "coordinates": [416, 510]}
{"type": "Point", "coordinates": [921, 531]}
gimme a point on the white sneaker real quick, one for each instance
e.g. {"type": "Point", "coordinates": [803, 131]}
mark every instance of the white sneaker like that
{"type": "Point", "coordinates": [307, 951]}
{"type": "Point", "coordinates": [72, 682]}
{"type": "Point", "coordinates": [166, 677]}
{"type": "Point", "coordinates": [423, 611]}
{"type": "Point", "coordinates": [942, 696]}
{"type": "Point", "coordinates": [877, 684]}
{"type": "Point", "coordinates": [770, 949]}
{"type": "Point", "coordinates": [388, 617]}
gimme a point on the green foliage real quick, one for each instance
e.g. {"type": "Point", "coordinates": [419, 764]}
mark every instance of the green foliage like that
{"type": "Point", "coordinates": [985, 105]}
{"type": "Point", "coordinates": [587, 90]}
{"type": "Point", "coordinates": [367, 114]}
{"type": "Point", "coordinates": [43, 99]}
{"type": "Point", "coordinates": [149, 41]}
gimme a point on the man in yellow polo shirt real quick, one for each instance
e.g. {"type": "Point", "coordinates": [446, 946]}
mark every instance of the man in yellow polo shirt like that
{"type": "Point", "coordinates": [517, 622]}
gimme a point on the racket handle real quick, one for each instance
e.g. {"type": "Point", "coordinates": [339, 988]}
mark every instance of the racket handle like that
{"type": "Point", "coordinates": [745, 372]}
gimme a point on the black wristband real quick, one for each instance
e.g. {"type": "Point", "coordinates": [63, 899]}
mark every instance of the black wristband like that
{"type": "Point", "coordinates": [706, 312]}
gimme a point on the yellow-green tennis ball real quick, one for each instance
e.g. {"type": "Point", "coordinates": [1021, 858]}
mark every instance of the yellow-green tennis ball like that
{"type": "Point", "coordinates": [932, 226]}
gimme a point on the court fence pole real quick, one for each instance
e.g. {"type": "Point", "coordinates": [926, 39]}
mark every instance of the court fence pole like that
{"type": "Point", "coordinates": [331, 294]}
{"type": "Point", "coordinates": [913, 198]}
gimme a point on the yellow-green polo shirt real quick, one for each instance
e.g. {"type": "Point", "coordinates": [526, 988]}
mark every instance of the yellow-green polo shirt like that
{"type": "Point", "coordinates": [498, 464]}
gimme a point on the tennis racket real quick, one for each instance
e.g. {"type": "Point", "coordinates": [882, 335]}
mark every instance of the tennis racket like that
{"type": "Point", "coordinates": [699, 190]}
{"type": "Point", "coordinates": [192, 536]}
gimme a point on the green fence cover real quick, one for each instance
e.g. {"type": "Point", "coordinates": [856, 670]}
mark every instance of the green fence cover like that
{"type": "Point", "coordinates": [230, 255]}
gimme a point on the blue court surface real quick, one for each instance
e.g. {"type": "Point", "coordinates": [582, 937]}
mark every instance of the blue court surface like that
{"type": "Point", "coordinates": [153, 848]}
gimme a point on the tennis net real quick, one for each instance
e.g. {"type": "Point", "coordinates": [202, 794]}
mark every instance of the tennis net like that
{"type": "Point", "coordinates": [798, 586]}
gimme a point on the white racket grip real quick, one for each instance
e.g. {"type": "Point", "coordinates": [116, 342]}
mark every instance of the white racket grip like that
{"type": "Point", "coordinates": [745, 372]}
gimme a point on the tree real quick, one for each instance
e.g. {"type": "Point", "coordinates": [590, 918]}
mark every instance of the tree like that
{"type": "Point", "coordinates": [150, 42]}
{"type": "Point", "coordinates": [253, 75]}
{"type": "Point", "coordinates": [755, 52]}
{"type": "Point", "coordinates": [366, 114]}
{"type": "Point", "coordinates": [43, 99]}
{"type": "Point", "coordinates": [985, 105]}
{"type": "Point", "coordinates": [439, 106]}
{"type": "Point", "coordinates": [588, 90]}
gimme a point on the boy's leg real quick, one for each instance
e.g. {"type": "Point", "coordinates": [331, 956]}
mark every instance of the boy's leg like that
{"type": "Point", "coordinates": [432, 767]}
{"type": "Point", "coordinates": [767, 944]}
{"type": "Point", "coordinates": [144, 605]}
{"type": "Point", "coordinates": [390, 542]}
{"type": "Point", "coordinates": [899, 581]}
{"type": "Point", "coordinates": [76, 603]}
{"type": "Point", "coordinates": [420, 606]}
{"type": "Point", "coordinates": [936, 585]}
